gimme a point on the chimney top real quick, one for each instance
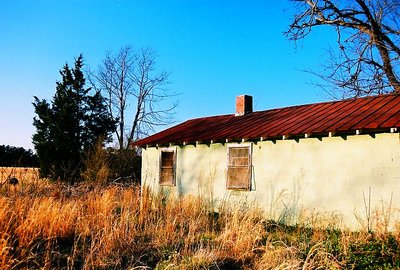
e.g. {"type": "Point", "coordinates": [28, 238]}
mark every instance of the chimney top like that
{"type": "Point", "coordinates": [244, 105]}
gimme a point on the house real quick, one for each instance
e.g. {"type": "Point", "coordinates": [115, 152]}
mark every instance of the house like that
{"type": "Point", "coordinates": [338, 159]}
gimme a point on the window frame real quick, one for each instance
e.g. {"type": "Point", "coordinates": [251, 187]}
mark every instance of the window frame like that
{"type": "Point", "coordinates": [167, 183]}
{"type": "Point", "coordinates": [247, 186]}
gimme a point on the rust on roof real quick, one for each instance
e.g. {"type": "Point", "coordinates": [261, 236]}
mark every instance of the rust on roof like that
{"type": "Point", "coordinates": [369, 114]}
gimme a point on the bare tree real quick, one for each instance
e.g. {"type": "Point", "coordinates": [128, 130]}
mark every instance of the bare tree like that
{"type": "Point", "coordinates": [368, 35]}
{"type": "Point", "coordinates": [136, 92]}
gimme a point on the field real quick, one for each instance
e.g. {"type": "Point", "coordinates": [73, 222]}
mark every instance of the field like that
{"type": "Point", "coordinates": [47, 225]}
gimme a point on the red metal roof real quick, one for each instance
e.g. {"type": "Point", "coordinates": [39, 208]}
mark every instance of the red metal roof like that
{"type": "Point", "coordinates": [368, 114]}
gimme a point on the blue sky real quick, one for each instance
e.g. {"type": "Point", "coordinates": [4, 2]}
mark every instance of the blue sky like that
{"type": "Point", "coordinates": [214, 50]}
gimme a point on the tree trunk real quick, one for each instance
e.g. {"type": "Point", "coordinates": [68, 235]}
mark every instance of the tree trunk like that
{"type": "Point", "coordinates": [377, 39]}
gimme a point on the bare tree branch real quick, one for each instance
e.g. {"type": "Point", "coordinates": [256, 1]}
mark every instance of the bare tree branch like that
{"type": "Point", "coordinates": [134, 87]}
{"type": "Point", "coordinates": [367, 59]}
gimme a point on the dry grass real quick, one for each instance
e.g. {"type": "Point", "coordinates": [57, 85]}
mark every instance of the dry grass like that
{"type": "Point", "coordinates": [24, 175]}
{"type": "Point", "coordinates": [28, 180]}
{"type": "Point", "coordinates": [89, 227]}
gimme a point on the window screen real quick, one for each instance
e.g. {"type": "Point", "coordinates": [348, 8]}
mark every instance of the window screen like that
{"type": "Point", "coordinates": [239, 168]}
{"type": "Point", "coordinates": [167, 168]}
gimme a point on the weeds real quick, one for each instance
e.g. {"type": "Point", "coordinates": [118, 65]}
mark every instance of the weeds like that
{"type": "Point", "coordinates": [52, 226]}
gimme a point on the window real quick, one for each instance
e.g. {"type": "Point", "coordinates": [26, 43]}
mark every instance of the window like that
{"type": "Point", "coordinates": [167, 167]}
{"type": "Point", "coordinates": [239, 167]}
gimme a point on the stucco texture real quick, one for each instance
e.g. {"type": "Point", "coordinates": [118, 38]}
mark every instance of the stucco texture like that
{"type": "Point", "coordinates": [351, 181]}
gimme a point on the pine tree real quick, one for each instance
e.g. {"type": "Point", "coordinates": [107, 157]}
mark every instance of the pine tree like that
{"type": "Point", "coordinates": [70, 125]}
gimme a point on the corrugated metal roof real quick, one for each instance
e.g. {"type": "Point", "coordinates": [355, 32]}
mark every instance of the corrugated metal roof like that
{"type": "Point", "coordinates": [369, 114]}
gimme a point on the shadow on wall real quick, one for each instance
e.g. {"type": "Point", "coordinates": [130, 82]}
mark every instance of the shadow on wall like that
{"type": "Point", "coordinates": [206, 186]}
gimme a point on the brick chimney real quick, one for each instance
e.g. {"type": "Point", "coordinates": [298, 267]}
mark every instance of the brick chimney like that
{"type": "Point", "coordinates": [244, 105]}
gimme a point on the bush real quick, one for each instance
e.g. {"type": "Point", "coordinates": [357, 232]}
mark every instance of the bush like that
{"type": "Point", "coordinates": [125, 165]}
{"type": "Point", "coordinates": [96, 165]}
{"type": "Point", "coordinates": [111, 165]}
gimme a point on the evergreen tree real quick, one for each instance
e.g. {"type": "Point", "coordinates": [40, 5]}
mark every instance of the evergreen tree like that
{"type": "Point", "coordinates": [70, 125]}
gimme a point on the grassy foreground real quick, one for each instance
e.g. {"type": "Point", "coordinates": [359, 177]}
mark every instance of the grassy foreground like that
{"type": "Point", "coordinates": [49, 226]}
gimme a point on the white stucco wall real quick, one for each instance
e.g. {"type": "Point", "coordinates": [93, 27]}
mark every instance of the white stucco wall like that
{"type": "Point", "coordinates": [339, 177]}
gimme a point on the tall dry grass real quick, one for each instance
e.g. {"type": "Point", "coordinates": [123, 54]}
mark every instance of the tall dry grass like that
{"type": "Point", "coordinates": [116, 227]}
